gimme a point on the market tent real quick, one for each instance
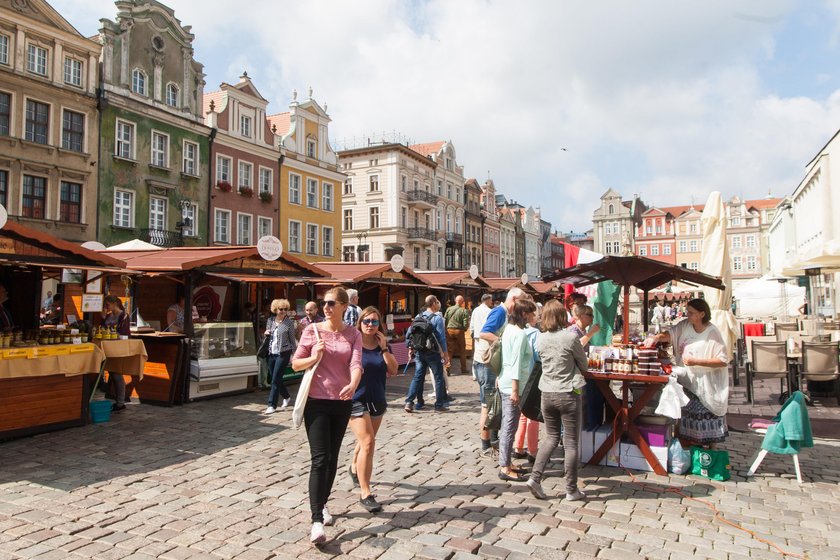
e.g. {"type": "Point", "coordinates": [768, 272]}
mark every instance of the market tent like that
{"type": "Point", "coordinates": [714, 260]}
{"type": "Point", "coordinates": [133, 245]}
{"type": "Point", "coordinates": [767, 297]}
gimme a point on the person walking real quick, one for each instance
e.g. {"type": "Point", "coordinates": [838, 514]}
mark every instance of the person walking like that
{"type": "Point", "coordinates": [485, 378]}
{"type": "Point", "coordinates": [351, 316]}
{"type": "Point", "coordinates": [337, 349]}
{"type": "Point", "coordinates": [457, 320]}
{"type": "Point", "coordinates": [563, 363]}
{"type": "Point", "coordinates": [281, 329]}
{"type": "Point", "coordinates": [528, 433]}
{"type": "Point", "coordinates": [310, 316]}
{"type": "Point", "coordinates": [516, 359]}
{"type": "Point", "coordinates": [370, 402]}
{"type": "Point", "coordinates": [427, 340]}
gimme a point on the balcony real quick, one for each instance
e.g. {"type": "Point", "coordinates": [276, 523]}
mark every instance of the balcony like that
{"type": "Point", "coordinates": [422, 199]}
{"type": "Point", "coordinates": [162, 238]}
{"type": "Point", "coordinates": [421, 235]}
{"type": "Point", "coordinates": [454, 239]}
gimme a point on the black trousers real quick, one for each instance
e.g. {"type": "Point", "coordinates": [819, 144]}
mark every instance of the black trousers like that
{"type": "Point", "coordinates": [325, 422]}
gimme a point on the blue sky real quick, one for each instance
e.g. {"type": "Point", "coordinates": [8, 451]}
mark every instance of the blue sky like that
{"type": "Point", "coordinates": [670, 100]}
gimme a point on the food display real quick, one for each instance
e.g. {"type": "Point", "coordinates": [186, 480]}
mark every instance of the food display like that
{"type": "Point", "coordinates": [36, 338]}
{"type": "Point", "coordinates": [628, 359]}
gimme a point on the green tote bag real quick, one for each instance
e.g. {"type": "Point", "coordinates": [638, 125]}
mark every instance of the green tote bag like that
{"type": "Point", "coordinates": [711, 463]}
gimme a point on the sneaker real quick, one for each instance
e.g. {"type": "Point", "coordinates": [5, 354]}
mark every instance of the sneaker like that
{"type": "Point", "coordinates": [536, 489]}
{"type": "Point", "coordinates": [371, 504]}
{"type": "Point", "coordinates": [317, 535]}
{"type": "Point", "coordinates": [353, 476]}
{"type": "Point", "coordinates": [285, 404]}
{"type": "Point", "coordinates": [117, 407]}
{"type": "Point", "coordinates": [442, 408]}
{"type": "Point", "coordinates": [270, 410]}
{"type": "Point", "coordinates": [575, 496]}
{"type": "Point", "coordinates": [328, 519]}
{"type": "Point", "coordinates": [409, 407]}
{"type": "Point", "coordinates": [420, 406]}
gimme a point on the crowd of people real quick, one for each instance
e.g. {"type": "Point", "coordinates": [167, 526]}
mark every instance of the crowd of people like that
{"type": "Point", "coordinates": [352, 360]}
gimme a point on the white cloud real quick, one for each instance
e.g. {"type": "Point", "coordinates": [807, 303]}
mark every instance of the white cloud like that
{"type": "Point", "coordinates": [661, 98]}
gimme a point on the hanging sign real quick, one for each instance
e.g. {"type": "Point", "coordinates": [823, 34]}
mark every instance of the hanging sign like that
{"type": "Point", "coordinates": [269, 247]}
{"type": "Point", "coordinates": [474, 272]}
{"type": "Point", "coordinates": [397, 263]}
{"type": "Point", "coordinates": [4, 216]}
{"type": "Point", "coordinates": [524, 278]}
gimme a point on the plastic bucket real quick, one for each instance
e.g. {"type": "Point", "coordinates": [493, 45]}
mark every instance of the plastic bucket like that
{"type": "Point", "coordinates": [100, 411]}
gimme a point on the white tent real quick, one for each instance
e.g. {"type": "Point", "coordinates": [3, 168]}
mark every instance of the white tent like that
{"type": "Point", "coordinates": [767, 297]}
{"type": "Point", "coordinates": [133, 245]}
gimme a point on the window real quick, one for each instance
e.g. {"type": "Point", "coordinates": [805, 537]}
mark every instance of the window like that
{"type": "Point", "coordinates": [417, 257]}
{"type": "Point", "coordinates": [608, 228]}
{"type": "Point", "coordinates": [36, 61]}
{"type": "Point", "coordinates": [223, 169]}
{"type": "Point", "coordinates": [348, 254]}
{"type": "Point", "coordinates": [157, 213]}
{"type": "Point", "coordinates": [449, 166]}
{"type": "Point", "coordinates": [172, 95]}
{"type": "Point", "coordinates": [440, 188]}
{"type": "Point", "coordinates": [294, 188]}
{"type": "Point", "coordinates": [190, 158]}
{"type": "Point", "coordinates": [649, 230]}
{"type": "Point", "coordinates": [751, 241]}
{"type": "Point", "coordinates": [348, 185]}
{"type": "Point", "coordinates": [160, 149]}
{"type": "Point", "coordinates": [654, 250]}
{"type": "Point", "coordinates": [693, 246]}
{"type": "Point", "coordinates": [736, 220]}
{"type": "Point", "coordinates": [374, 217]}
{"type": "Point", "coordinates": [70, 210]}
{"type": "Point", "coordinates": [244, 229]}
{"type": "Point", "coordinates": [693, 227]}
{"type": "Point", "coordinates": [327, 197]}
{"type": "Point", "coordinates": [610, 209]}
{"type": "Point", "coordinates": [72, 72]}
{"type": "Point", "coordinates": [221, 225]}
{"type": "Point", "coordinates": [683, 246]}
{"type": "Point", "coordinates": [264, 226]}
{"type": "Point", "coordinates": [245, 126]}
{"type": "Point", "coordinates": [312, 193]}
{"type": "Point", "coordinates": [448, 190]}
{"type": "Point", "coordinates": [312, 239]}
{"type": "Point", "coordinates": [34, 196]}
{"type": "Point", "coordinates": [4, 49]}
{"type": "Point", "coordinates": [666, 249]}
{"type": "Point", "coordinates": [608, 248]}
{"type": "Point", "coordinates": [643, 251]}
{"type": "Point", "coordinates": [374, 183]}
{"type": "Point", "coordinates": [5, 112]}
{"type": "Point", "coordinates": [736, 263]}
{"type": "Point", "coordinates": [245, 171]}
{"type": "Point", "coordinates": [4, 188]}
{"type": "Point", "coordinates": [751, 263]}
{"type": "Point", "coordinates": [266, 180]}
{"type": "Point", "coordinates": [37, 121]}
{"type": "Point", "coordinates": [190, 217]}
{"type": "Point", "coordinates": [348, 220]}
{"type": "Point", "coordinates": [616, 249]}
{"type": "Point", "coordinates": [73, 131]}
{"type": "Point", "coordinates": [736, 241]}
{"type": "Point", "coordinates": [310, 148]}
{"type": "Point", "coordinates": [404, 216]}
{"type": "Point", "coordinates": [694, 266]}
{"type": "Point", "coordinates": [138, 82]}
{"type": "Point", "coordinates": [123, 208]}
{"type": "Point", "coordinates": [327, 238]}
{"type": "Point", "coordinates": [294, 236]}
{"type": "Point", "coordinates": [125, 140]}
{"type": "Point", "coordinates": [403, 183]}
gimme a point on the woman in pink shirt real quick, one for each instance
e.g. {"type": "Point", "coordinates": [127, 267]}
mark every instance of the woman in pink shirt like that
{"type": "Point", "coordinates": [327, 412]}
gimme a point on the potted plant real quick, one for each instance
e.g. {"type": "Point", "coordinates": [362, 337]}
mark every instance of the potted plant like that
{"type": "Point", "coordinates": [246, 191]}
{"type": "Point", "coordinates": [224, 186]}
{"type": "Point", "coordinates": [266, 196]}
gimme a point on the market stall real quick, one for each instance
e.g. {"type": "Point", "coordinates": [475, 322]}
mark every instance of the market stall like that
{"type": "Point", "coordinates": [44, 381]}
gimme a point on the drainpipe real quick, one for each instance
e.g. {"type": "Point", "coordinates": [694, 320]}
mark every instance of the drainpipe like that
{"type": "Point", "coordinates": [212, 137]}
{"type": "Point", "coordinates": [279, 188]}
{"type": "Point", "coordinates": [101, 105]}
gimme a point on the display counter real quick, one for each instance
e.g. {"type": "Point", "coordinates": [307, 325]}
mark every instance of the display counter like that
{"type": "Point", "coordinates": [223, 357]}
{"type": "Point", "coordinates": [164, 375]}
{"type": "Point", "coordinates": [46, 389]}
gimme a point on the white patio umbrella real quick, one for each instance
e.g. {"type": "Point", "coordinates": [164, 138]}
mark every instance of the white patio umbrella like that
{"type": "Point", "coordinates": [714, 260]}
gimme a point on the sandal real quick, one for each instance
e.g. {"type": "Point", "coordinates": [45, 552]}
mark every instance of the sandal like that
{"type": "Point", "coordinates": [512, 477]}
{"type": "Point", "coordinates": [521, 469]}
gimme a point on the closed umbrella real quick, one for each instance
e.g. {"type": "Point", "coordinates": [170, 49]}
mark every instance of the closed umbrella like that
{"type": "Point", "coordinates": [714, 260]}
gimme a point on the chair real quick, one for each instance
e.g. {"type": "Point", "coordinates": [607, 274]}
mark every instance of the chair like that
{"type": "Point", "coordinates": [787, 441]}
{"type": "Point", "coordinates": [784, 330]}
{"type": "Point", "coordinates": [820, 363]}
{"type": "Point", "coordinates": [768, 360]}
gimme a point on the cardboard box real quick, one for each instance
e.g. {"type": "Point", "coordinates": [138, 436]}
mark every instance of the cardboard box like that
{"type": "Point", "coordinates": [585, 450]}
{"type": "Point", "coordinates": [630, 456]}
{"type": "Point", "coordinates": [600, 436]}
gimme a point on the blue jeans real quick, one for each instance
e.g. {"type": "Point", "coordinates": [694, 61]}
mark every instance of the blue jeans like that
{"type": "Point", "coordinates": [486, 379]}
{"type": "Point", "coordinates": [424, 361]}
{"type": "Point", "coordinates": [510, 420]}
{"type": "Point", "coordinates": [277, 365]}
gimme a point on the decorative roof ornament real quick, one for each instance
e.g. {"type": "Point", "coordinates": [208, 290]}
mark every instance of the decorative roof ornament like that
{"type": "Point", "coordinates": [294, 95]}
{"type": "Point", "coordinates": [212, 105]}
{"type": "Point", "coordinates": [310, 92]}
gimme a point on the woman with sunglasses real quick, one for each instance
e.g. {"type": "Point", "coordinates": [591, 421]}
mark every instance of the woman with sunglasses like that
{"type": "Point", "coordinates": [337, 349]}
{"type": "Point", "coordinates": [369, 402]}
{"type": "Point", "coordinates": [281, 329]}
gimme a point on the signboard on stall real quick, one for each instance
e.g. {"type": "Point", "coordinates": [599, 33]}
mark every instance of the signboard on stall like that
{"type": "Point", "coordinates": [397, 263]}
{"type": "Point", "coordinates": [473, 272]}
{"type": "Point", "coordinates": [524, 279]}
{"type": "Point", "coordinates": [269, 247]}
{"type": "Point", "coordinates": [92, 303]}
{"type": "Point", "coordinates": [4, 216]}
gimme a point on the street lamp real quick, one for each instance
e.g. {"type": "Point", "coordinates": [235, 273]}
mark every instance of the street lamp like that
{"type": "Point", "coordinates": [362, 237]}
{"type": "Point", "coordinates": [186, 221]}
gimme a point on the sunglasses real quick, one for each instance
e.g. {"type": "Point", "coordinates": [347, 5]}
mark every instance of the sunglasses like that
{"type": "Point", "coordinates": [372, 322]}
{"type": "Point", "coordinates": [330, 302]}
{"type": "Point", "coordinates": [283, 309]}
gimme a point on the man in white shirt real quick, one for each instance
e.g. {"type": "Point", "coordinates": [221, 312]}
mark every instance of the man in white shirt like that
{"type": "Point", "coordinates": [477, 319]}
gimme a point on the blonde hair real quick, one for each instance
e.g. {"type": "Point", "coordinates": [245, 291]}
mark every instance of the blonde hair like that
{"type": "Point", "coordinates": [340, 294]}
{"type": "Point", "coordinates": [278, 303]}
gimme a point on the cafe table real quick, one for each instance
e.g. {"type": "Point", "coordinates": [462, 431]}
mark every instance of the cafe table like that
{"type": "Point", "coordinates": [626, 413]}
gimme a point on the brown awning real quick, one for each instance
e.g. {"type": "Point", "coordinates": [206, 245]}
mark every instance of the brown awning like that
{"type": "Point", "coordinates": [646, 274]}
{"type": "Point", "coordinates": [259, 278]}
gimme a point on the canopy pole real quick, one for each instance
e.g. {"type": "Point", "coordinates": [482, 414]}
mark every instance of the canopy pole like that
{"type": "Point", "coordinates": [626, 313]}
{"type": "Point", "coordinates": [645, 309]}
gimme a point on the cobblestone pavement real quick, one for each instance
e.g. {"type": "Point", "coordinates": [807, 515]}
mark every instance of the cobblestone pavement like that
{"type": "Point", "coordinates": [218, 480]}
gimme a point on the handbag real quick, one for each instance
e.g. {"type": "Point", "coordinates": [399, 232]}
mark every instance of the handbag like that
{"type": "Point", "coordinates": [494, 412]}
{"type": "Point", "coordinates": [710, 463]}
{"type": "Point", "coordinates": [262, 351]}
{"type": "Point", "coordinates": [303, 390]}
{"type": "Point", "coordinates": [493, 354]}
{"type": "Point", "coordinates": [531, 402]}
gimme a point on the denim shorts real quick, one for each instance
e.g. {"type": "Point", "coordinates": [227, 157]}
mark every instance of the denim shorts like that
{"type": "Point", "coordinates": [360, 408]}
{"type": "Point", "coordinates": [486, 381]}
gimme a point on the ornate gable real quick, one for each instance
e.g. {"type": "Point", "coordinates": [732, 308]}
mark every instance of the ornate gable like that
{"type": "Point", "coordinates": [39, 11]}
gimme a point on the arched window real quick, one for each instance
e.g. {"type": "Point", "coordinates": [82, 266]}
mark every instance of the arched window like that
{"type": "Point", "coordinates": [138, 82]}
{"type": "Point", "coordinates": [448, 220]}
{"type": "Point", "coordinates": [172, 95]}
{"type": "Point", "coordinates": [458, 223]}
{"type": "Point", "coordinates": [610, 209]}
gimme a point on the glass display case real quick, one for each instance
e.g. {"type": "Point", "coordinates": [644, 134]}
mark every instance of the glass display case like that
{"type": "Point", "coordinates": [213, 341]}
{"type": "Point", "coordinates": [224, 355]}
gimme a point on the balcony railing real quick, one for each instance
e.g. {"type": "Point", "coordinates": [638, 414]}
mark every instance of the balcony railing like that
{"type": "Point", "coordinates": [162, 238]}
{"type": "Point", "coordinates": [421, 233]}
{"type": "Point", "coordinates": [422, 196]}
{"type": "Point", "coordinates": [455, 238]}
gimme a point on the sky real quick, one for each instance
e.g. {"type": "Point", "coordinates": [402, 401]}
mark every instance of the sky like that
{"type": "Point", "coordinates": [556, 101]}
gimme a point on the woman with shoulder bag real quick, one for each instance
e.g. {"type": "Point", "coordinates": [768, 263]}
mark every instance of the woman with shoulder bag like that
{"type": "Point", "coordinates": [281, 329]}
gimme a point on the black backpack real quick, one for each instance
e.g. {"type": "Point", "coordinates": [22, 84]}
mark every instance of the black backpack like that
{"type": "Point", "coordinates": [421, 336]}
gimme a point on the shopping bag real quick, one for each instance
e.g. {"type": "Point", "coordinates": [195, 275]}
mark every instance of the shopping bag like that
{"type": "Point", "coordinates": [711, 463]}
{"type": "Point", "coordinates": [303, 389]}
{"type": "Point", "coordinates": [494, 412]}
{"type": "Point", "coordinates": [493, 354]}
{"type": "Point", "coordinates": [263, 350]}
{"type": "Point", "coordinates": [531, 402]}
{"type": "Point", "coordinates": [679, 458]}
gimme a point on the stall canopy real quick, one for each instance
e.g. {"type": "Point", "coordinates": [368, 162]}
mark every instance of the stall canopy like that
{"type": "Point", "coordinates": [456, 279]}
{"type": "Point", "coordinates": [372, 273]}
{"type": "Point", "coordinates": [505, 284]}
{"type": "Point", "coordinates": [767, 297]}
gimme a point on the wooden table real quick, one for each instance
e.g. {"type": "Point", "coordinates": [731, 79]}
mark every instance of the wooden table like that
{"type": "Point", "coordinates": [625, 414]}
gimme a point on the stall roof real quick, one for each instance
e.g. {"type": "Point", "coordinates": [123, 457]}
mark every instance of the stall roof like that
{"type": "Point", "coordinates": [51, 251]}
{"type": "Point", "coordinates": [450, 278]}
{"type": "Point", "coordinates": [178, 259]}
{"type": "Point", "coordinates": [504, 284]}
{"type": "Point", "coordinates": [544, 287]}
{"type": "Point", "coordinates": [353, 272]}
{"type": "Point", "coordinates": [258, 278]}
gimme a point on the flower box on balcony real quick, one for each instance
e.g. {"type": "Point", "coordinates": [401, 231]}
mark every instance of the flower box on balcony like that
{"type": "Point", "coordinates": [246, 191]}
{"type": "Point", "coordinates": [266, 196]}
{"type": "Point", "coordinates": [224, 186]}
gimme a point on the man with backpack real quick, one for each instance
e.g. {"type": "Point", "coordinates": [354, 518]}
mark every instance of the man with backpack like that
{"type": "Point", "coordinates": [426, 338]}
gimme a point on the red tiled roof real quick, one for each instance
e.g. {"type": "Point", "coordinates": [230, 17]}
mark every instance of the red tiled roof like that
{"type": "Point", "coordinates": [677, 211]}
{"type": "Point", "coordinates": [427, 149]}
{"type": "Point", "coordinates": [216, 97]}
{"type": "Point", "coordinates": [283, 122]}
{"type": "Point", "coordinates": [763, 202]}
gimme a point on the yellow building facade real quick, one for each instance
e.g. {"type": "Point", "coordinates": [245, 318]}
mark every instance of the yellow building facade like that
{"type": "Point", "coordinates": [310, 183]}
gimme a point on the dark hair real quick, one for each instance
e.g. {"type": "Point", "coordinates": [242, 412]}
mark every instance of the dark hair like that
{"type": "Point", "coordinates": [701, 305]}
{"type": "Point", "coordinates": [573, 297]}
{"type": "Point", "coordinates": [370, 310]}
{"type": "Point", "coordinates": [109, 299]}
{"type": "Point", "coordinates": [553, 317]}
{"type": "Point", "coordinates": [521, 308]}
